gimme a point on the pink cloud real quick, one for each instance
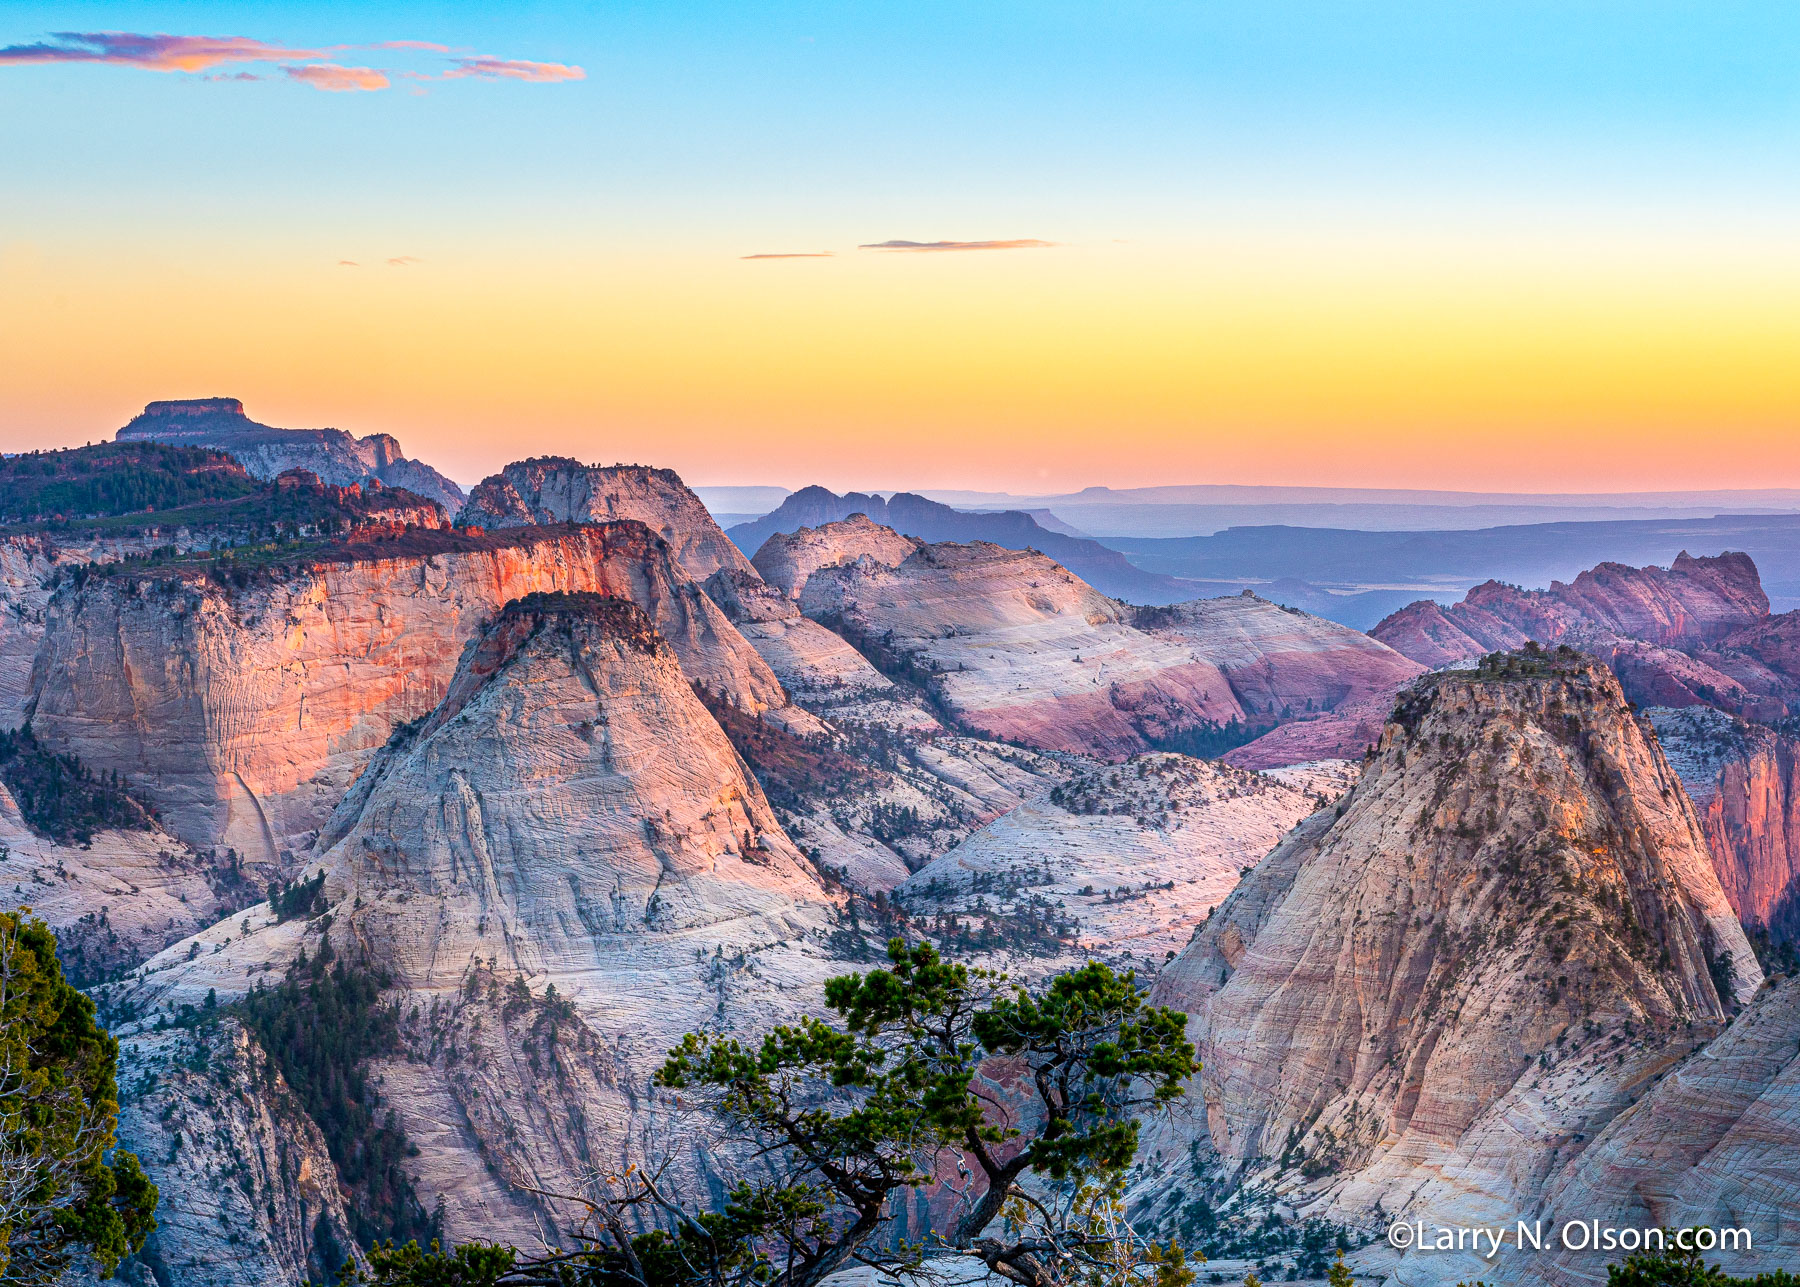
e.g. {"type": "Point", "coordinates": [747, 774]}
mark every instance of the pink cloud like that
{"type": "Point", "coordinates": [159, 52]}
{"type": "Point", "coordinates": [404, 261]}
{"type": "Point", "coordinates": [1016, 243]}
{"type": "Point", "coordinates": [493, 68]}
{"type": "Point", "coordinates": [335, 79]}
{"type": "Point", "coordinates": [163, 52]}
{"type": "Point", "coordinates": [793, 254]}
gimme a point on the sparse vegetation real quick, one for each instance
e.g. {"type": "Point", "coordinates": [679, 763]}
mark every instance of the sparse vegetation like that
{"type": "Point", "coordinates": [59, 797]}
{"type": "Point", "coordinates": [900, 1057]}
{"type": "Point", "coordinates": [320, 1026]}
{"type": "Point", "coordinates": [792, 770]}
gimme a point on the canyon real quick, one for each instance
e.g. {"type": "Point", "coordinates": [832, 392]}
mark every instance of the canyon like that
{"type": "Point", "coordinates": [574, 774]}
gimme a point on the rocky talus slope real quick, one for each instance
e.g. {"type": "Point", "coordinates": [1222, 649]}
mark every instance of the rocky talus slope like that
{"type": "Point", "coordinates": [555, 489]}
{"type": "Point", "coordinates": [1698, 632]}
{"type": "Point", "coordinates": [334, 455]}
{"type": "Point", "coordinates": [243, 705]}
{"type": "Point", "coordinates": [1744, 780]}
{"type": "Point", "coordinates": [1424, 1002]}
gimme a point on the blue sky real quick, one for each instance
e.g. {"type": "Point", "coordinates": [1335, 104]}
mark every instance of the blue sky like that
{"type": "Point", "coordinates": [1435, 141]}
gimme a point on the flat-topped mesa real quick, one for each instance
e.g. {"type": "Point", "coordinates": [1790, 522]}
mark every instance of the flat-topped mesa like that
{"type": "Point", "coordinates": [186, 409]}
{"type": "Point", "coordinates": [556, 489]}
{"type": "Point", "coordinates": [787, 559]}
{"type": "Point", "coordinates": [1510, 923]}
{"type": "Point", "coordinates": [243, 700]}
{"type": "Point", "coordinates": [634, 821]}
{"type": "Point", "coordinates": [265, 451]}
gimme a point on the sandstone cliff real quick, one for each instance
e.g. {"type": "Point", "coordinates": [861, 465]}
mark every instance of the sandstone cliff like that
{"type": "Point", "coordinates": [555, 489]}
{"type": "Point", "coordinates": [930, 520]}
{"type": "Point", "coordinates": [1282, 663]}
{"type": "Point", "coordinates": [786, 560]}
{"type": "Point", "coordinates": [1744, 780]}
{"type": "Point", "coordinates": [1712, 1144]}
{"type": "Point", "coordinates": [332, 454]}
{"type": "Point", "coordinates": [562, 869]}
{"type": "Point", "coordinates": [1692, 603]}
{"type": "Point", "coordinates": [243, 705]}
{"type": "Point", "coordinates": [248, 1194]}
{"type": "Point", "coordinates": [571, 814]}
{"type": "Point", "coordinates": [1697, 633]}
{"type": "Point", "coordinates": [1016, 647]}
{"type": "Point", "coordinates": [1423, 1002]}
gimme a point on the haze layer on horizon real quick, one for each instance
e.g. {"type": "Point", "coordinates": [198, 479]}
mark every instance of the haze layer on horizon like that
{"type": "Point", "coordinates": [1025, 248]}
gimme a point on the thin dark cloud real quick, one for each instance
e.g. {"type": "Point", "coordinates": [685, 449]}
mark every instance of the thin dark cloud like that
{"type": "Point", "coordinates": [158, 52]}
{"type": "Point", "coordinates": [929, 247]}
{"type": "Point", "coordinates": [404, 261]}
{"type": "Point", "coordinates": [794, 254]}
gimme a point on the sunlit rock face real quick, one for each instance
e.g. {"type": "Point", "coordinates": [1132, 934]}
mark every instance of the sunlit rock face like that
{"type": "Point", "coordinates": [243, 705]}
{"type": "Point", "coordinates": [1744, 780]}
{"type": "Point", "coordinates": [1425, 1001]}
{"type": "Point", "coordinates": [1015, 646]}
{"type": "Point", "coordinates": [569, 795]}
{"type": "Point", "coordinates": [786, 559]}
{"type": "Point", "coordinates": [1696, 633]}
{"type": "Point", "coordinates": [555, 489]}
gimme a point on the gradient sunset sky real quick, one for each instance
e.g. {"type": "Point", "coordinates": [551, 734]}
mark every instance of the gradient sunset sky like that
{"type": "Point", "coordinates": [1519, 245]}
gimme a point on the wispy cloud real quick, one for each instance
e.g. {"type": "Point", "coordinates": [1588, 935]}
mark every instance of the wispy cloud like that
{"type": "Point", "coordinates": [794, 254]}
{"type": "Point", "coordinates": [927, 247]}
{"type": "Point", "coordinates": [484, 65]}
{"type": "Point", "coordinates": [156, 52]}
{"type": "Point", "coordinates": [337, 79]}
{"type": "Point", "coordinates": [348, 263]}
{"type": "Point", "coordinates": [163, 52]}
{"type": "Point", "coordinates": [404, 261]}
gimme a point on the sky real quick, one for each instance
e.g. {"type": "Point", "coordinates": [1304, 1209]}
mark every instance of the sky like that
{"type": "Point", "coordinates": [1029, 247]}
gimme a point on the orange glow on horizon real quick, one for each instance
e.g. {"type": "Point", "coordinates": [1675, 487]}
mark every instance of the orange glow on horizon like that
{"type": "Point", "coordinates": [1248, 360]}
